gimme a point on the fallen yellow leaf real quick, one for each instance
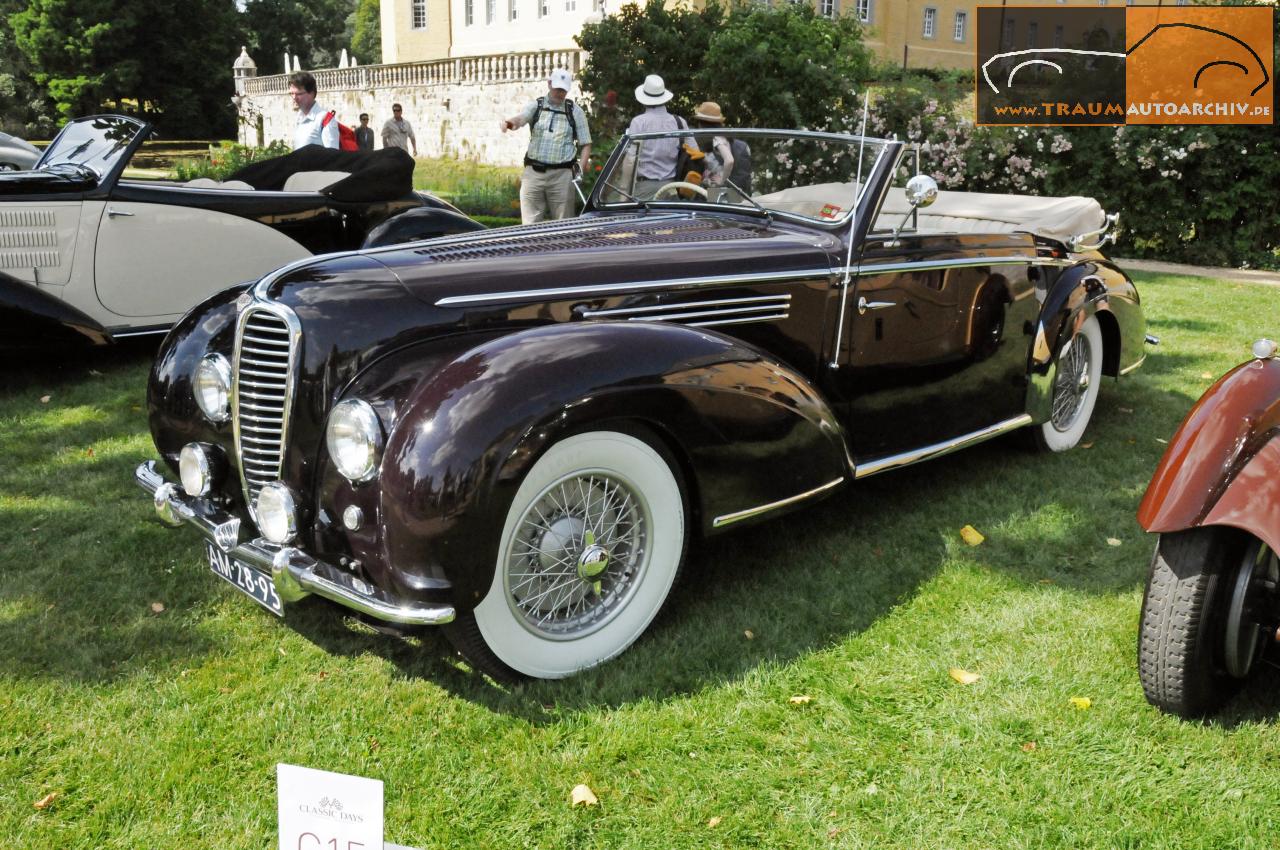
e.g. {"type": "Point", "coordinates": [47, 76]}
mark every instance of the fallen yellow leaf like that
{"type": "Point", "coordinates": [44, 399]}
{"type": "Point", "coordinates": [800, 699]}
{"type": "Point", "coordinates": [1113, 541]}
{"type": "Point", "coordinates": [1028, 746]}
{"type": "Point", "coordinates": [749, 635]}
{"type": "Point", "coordinates": [581, 795]}
{"type": "Point", "coordinates": [964, 677]}
{"type": "Point", "coordinates": [1208, 376]}
{"type": "Point", "coordinates": [714, 822]}
{"type": "Point", "coordinates": [1086, 445]}
{"type": "Point", "coordinates": [47, 800]}
{"type": "Point", "coordinates": [157, 607]}
{"type": "Point", "coordinates": [971, 535]}
{"type": "Point", "coordinates": [1081, 703]}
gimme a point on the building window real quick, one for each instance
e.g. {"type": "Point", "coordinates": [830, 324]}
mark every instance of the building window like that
{"type": "Point", "coordinates": [512, 11]}
{"type": "Point", "coordinates": [544, 8]}
{"type": "Point", "coordinates": [828, 7]}
{"type": "Point", "coordinates": [864, 11]}
{"type": "Point", "coordinates": [468, 12]}
{"type": "Point", "coordinates": [418, 14]}
{"type": "Point", "coordinates": [597, 6]}
{"type": "Point", "coordinates": [930, 21]}
{"type": "Point", "coordinates": [571, 5]}
{"type": "Point", "coordinates": [1033, 32]}
{"type": "Point", "coordinates": [1008, 32]}
{"type": "Point", "coordinates": [962, 21]}
{"type": "Point", "coordinates": [490, 11]}
{"type": "Point", "coordinates": [1058, 36]}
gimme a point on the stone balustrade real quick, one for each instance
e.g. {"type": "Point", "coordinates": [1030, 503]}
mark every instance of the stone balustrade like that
{"type": "Point", "coordinates": [454, 104]}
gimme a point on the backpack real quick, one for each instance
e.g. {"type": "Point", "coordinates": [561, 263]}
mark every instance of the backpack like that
{"type": "Point", "coordinates": [568, 113]}
{"type": "Point", "coordinates": [346, 136]}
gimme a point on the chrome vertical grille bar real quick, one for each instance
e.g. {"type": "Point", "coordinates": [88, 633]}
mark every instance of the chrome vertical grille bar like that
{"type": "Point", "coordinates": [268, 338]}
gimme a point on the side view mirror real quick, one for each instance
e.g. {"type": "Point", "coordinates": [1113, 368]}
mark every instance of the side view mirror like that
{"type": "Point", "coordinates": [921, 191]}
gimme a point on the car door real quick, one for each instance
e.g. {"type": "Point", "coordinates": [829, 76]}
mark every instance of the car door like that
{"type": "Point", "coordinates": [937, 338]}
{"type": "Point", "coordinates": [156, 260]}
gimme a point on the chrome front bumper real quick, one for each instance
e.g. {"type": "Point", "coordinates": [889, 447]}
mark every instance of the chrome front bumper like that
{"type": "Point", "coordinates": [294, 573]}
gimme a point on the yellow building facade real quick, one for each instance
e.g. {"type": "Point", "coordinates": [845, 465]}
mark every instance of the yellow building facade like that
{"type": "Point", "coordinates": [414, 31]}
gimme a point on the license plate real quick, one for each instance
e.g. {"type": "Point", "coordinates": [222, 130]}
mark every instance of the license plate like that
{"type": "Point", "coordinates": [253, 583]}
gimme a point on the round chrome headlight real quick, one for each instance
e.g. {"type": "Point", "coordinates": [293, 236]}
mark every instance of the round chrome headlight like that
{"type": "Point", "coordinates": [212, 387]}
{"type": "Point", "coordinates": [277, 513]}
{"type": "Point", "coordinates": [354, 437]}
{"type": "Point", "coordinates": [195, 470]}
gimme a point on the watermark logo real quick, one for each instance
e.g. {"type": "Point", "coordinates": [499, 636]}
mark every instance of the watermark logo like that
{"type": "Point", "coordinates": [1132, 65]}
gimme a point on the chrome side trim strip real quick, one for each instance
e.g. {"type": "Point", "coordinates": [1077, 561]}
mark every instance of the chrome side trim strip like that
{"type": "Point", "coordinates": [1126, 370]}
{"type": "Point", "coordinates": [746, 320]}
{"type": "Point", "coordinates": [958, 263]}
{"type": "Point", "coordinates": [629, 311]}
{"type": "Point", "coordinates": [702, 314]}
{"type": "Point", "coordinates": [862, 470]}
{"type": "Point", "coordinates": [590, 290]}
{"type": "Point", "coordinates": [127, 334]}
{"type": "Point", "coordinates": [728, 519]}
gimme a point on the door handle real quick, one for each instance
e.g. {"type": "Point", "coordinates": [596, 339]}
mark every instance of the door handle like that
{"type": "Point", "coordinates": [113, 213]}
{"type": "Point", "coordinates": [864, 305]}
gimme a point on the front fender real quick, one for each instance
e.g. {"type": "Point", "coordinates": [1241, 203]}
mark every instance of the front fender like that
{"type": "Point", "coordinates": [1222, 467]}
{"type": "Point", "coordinates": [32, 318]}
{"type": "Point", "coordinates": [746, 430]}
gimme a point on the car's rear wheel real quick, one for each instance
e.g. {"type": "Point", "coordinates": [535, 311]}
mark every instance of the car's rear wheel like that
{"type": "Point", "coordinates": [1077, 374]}
{"type": "Point", "coordinates": [1211, 595]}
{"type": "Point", "coordinates": [592, 545]}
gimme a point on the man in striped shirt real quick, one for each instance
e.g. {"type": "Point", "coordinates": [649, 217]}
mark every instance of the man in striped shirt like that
{"type": "Point", "coordinates": [557, 126]}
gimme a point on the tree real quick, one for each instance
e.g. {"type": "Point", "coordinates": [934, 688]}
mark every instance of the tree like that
{"type": "Point", "coordinates": [25, 110]}
{"type": "Point", "coordinates": [315, 31]}
{"type": "Point", "coordinates": [786, 67]}
{"type": "Point", "coordinates": [366, 43]}
{"type": "Point", "coordinates": [136, 57]}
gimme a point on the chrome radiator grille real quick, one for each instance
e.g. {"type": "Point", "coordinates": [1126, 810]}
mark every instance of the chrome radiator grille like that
{"type": "Point", "coordinates": [267, 341]}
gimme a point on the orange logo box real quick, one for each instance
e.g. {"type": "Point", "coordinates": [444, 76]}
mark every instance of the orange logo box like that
{"type": "Point", "coordinates": [1199, 65]}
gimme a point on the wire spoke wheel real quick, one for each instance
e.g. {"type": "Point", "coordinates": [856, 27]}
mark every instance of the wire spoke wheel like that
{"type": "Point", "coordinates": [578, 553]}
{"type": "Point", "coordinates": [1071, 388]}
{"type": "Point", "coordinates": [1074, 393]}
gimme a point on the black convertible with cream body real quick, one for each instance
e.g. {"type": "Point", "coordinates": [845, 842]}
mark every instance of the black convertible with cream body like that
{"type": "Point", "coordinates": [87, 256]}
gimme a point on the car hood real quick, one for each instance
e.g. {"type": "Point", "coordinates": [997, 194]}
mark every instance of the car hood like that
{"type": "Point", "coordinates": [579, 256]}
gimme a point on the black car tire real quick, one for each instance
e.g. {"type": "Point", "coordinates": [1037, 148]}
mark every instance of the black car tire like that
{"type": "Point", "coordinates": [1185, 612]}
{"type": "Point", "coordinates": [548, 613]}
{"type": "Point", "coordinates": [1076, 379]}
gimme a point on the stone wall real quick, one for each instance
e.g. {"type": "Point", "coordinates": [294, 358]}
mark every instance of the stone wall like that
{"type": "Point", "coordinates": [454, 104]}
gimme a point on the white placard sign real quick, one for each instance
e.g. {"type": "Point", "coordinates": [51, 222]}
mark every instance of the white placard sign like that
{"type": "Point", "coordinates": [320, 810]}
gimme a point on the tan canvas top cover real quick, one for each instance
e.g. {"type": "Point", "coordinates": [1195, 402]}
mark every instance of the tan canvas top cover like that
{"type": "Point", "coordinates": [982, 212]}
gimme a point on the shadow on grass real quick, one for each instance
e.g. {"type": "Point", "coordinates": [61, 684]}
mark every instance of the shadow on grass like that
{"type": "Point", "coordinates": [49, 370]}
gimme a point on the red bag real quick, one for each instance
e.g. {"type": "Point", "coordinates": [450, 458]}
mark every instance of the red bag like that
{"type": "Point", "coordinates": [346, 136]}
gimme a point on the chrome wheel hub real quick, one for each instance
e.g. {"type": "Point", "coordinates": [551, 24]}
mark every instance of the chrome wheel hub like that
{"type": "Point", "coordinates": [577, 556]}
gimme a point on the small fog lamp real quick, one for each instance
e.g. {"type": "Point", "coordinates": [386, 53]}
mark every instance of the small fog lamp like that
{"type": "Point", "coordinates": [195, 470]}
{"type": "Point", "coordinates": [277, 513]}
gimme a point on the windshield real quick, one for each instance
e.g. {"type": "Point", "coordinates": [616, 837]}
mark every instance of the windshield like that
{"type": "Point", "coordinates": [806, 175]}
{"type": "Point", "coordinates": [95, 143]}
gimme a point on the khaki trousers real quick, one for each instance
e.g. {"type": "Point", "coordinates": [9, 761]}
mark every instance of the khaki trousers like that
{"type": "Point", "coordinates": [546, 196]}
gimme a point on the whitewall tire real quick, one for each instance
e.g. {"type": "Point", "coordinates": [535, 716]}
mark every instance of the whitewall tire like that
{"type": "Point", "coordinates": [1076, 378]}
{"type": "Point", "coordinates": [592, 545]}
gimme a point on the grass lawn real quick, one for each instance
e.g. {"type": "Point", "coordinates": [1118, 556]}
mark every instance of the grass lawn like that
{"type": "Point", "coordinates": [154, 701]}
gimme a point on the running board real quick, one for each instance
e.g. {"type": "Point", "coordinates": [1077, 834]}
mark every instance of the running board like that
{"type": "Point", "coordinates": [862, 470]}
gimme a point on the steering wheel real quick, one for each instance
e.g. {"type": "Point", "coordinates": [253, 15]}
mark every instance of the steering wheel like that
{"type": "Point", "coordinates": [680, 184]}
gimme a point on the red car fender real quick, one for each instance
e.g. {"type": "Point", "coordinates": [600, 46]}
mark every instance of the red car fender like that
{"type": "Point", "coordinates": [1222, 467]}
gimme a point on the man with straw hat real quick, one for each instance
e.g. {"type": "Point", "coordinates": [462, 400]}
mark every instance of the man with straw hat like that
{"type": "Point", "coordinates": [656, 164]}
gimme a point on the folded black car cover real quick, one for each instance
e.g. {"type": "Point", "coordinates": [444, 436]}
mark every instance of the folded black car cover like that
{"type": "Point", "coordinates": [381, 175]}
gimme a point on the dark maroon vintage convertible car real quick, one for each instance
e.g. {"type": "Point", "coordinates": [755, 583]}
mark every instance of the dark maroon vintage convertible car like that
{"type": "Point", "coordinates": [515, 434]}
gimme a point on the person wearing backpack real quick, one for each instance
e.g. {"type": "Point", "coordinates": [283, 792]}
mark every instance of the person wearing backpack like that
{"type": "Point", "coordinates": [557, 126]}
{"type": "Point", "coordinates": [313, 127]}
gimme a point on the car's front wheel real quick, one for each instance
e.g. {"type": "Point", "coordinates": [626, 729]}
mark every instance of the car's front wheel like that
{"type": "Point", "coordinates": [1077, 374]}
{"type": "Point", "coordinates": [1208, 613]}
{"type": "Point", "coordinates": [591, 547]}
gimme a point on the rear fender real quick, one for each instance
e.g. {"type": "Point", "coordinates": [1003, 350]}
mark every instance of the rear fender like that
{"type": "Point", "coordinates": [1222, 467]}
{"type": "Point", "coordinates": [747, 432]}
{"type": "Point", "coordinates": [1093, 288]}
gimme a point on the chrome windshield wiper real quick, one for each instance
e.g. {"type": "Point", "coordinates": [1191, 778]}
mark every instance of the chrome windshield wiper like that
{"type": "Point", "coordinates": [749, 199]}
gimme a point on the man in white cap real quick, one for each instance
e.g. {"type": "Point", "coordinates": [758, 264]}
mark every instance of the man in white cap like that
{"type": "Point", "coordinates": [656, 164]}
{"type": "Point", "coordinates": [557, 126]}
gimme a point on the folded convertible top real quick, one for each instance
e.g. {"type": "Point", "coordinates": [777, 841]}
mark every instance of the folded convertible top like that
{"type": "Point", "coordinates": [381, 175]}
